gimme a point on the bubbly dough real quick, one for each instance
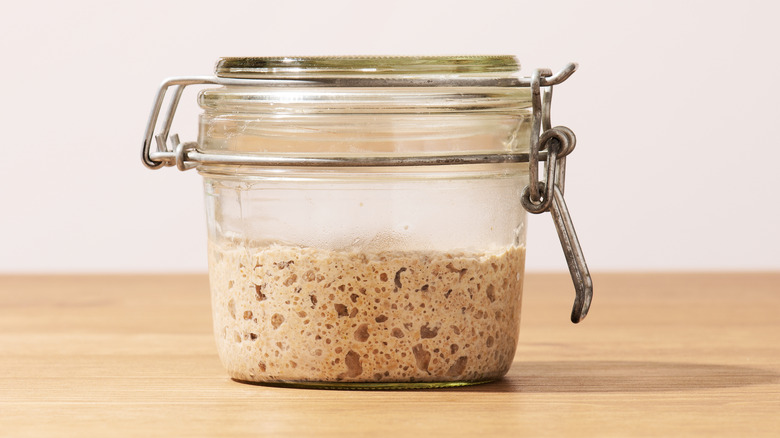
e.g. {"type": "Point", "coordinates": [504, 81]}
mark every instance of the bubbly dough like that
{"type": "Point", "coordinates": [285, 313]}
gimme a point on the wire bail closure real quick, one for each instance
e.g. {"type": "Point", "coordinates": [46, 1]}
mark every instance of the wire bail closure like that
{"type": "Point", "coordinates": [548, 144]}
{"type": "Point", "coordinates": [547, 194]}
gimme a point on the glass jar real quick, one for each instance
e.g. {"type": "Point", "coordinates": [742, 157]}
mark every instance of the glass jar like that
{"type": "Point", "coordinates": [361, 231]}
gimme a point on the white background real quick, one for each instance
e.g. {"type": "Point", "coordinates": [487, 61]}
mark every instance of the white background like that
{"type": "Point", "coordinates": [675, 107]}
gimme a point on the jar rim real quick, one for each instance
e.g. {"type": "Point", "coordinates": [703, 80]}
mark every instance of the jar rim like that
{"type": "Point", "coordinates": [330, 100]}
{"type": "Point", "coordinates": [310, 67]}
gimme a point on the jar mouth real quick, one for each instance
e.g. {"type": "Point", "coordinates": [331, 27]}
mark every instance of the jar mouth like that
{"type": "Point", "coordinates": [313, 67]}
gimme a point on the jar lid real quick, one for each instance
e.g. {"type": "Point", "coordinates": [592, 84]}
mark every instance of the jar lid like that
{"type": "Point", "coordinates": [370, 85]}
{"type": "Point", "coordinates": [311, 67]}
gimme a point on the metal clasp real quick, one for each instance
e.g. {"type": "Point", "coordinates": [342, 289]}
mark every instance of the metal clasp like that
{"type": "Point", "coordinates": [547, 194]}
{"type": "Point", "coordinates": [177, 154]}
{"type": "Point", "coordinates": [548, 144]}
{"type": "Point", "coordinates": [169, 152]}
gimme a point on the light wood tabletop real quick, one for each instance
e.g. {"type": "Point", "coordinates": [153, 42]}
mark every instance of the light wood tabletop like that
{"type": "Point", "coordinates": [659, 355]}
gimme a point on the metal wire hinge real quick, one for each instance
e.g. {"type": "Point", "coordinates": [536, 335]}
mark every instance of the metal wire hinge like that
{"type": "Point", "coordinates": [169, 152]}
{"type": "Point", "coordinates": [547, 194]}
{"type": "Point", "coordinates": [550, 145]}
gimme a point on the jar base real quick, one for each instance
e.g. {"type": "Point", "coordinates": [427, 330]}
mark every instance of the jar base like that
{"type": "Point", "coordinates": [369, 386]}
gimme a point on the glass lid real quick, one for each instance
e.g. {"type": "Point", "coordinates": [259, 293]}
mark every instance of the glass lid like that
{"type": "Point", "coordinates": [303, 67]}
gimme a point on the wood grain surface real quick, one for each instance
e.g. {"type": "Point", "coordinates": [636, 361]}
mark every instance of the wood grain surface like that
{"type": "Point", "coordinates": [659, 355]}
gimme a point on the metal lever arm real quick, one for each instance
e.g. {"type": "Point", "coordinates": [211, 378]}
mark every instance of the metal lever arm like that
{"type": "Point", "coordinates": [580, 276]}
{"type": "Point", "coordinates": [547, 195]}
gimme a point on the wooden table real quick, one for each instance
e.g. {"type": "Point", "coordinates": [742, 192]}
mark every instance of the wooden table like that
{"type": "Point", "coordinates": [659, 355]}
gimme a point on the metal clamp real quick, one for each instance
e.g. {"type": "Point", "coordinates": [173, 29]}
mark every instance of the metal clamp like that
{"type": "Point", "coordinates": [167, 155]}
{"type": "Point", "coordinates": [548, 144]}
{"type": "Point", "coordinates": [547, 194]}
{"type": "Point", "coordinates": [169, 152]}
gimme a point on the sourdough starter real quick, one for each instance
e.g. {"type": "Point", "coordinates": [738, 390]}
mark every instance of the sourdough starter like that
{"type": "Point", "coordinates": [285, 313]}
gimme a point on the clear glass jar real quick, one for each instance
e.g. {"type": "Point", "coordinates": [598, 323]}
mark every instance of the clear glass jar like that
{"type": "Point", "coordinates": [366, 276]}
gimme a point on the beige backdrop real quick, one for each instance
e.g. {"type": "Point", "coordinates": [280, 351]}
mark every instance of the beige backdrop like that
{"type": "Point", "coordinates": [675, 107]}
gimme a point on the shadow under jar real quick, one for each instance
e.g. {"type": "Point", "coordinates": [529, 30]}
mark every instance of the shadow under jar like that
{"type": "Point", "coordinates": [341, 268]}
